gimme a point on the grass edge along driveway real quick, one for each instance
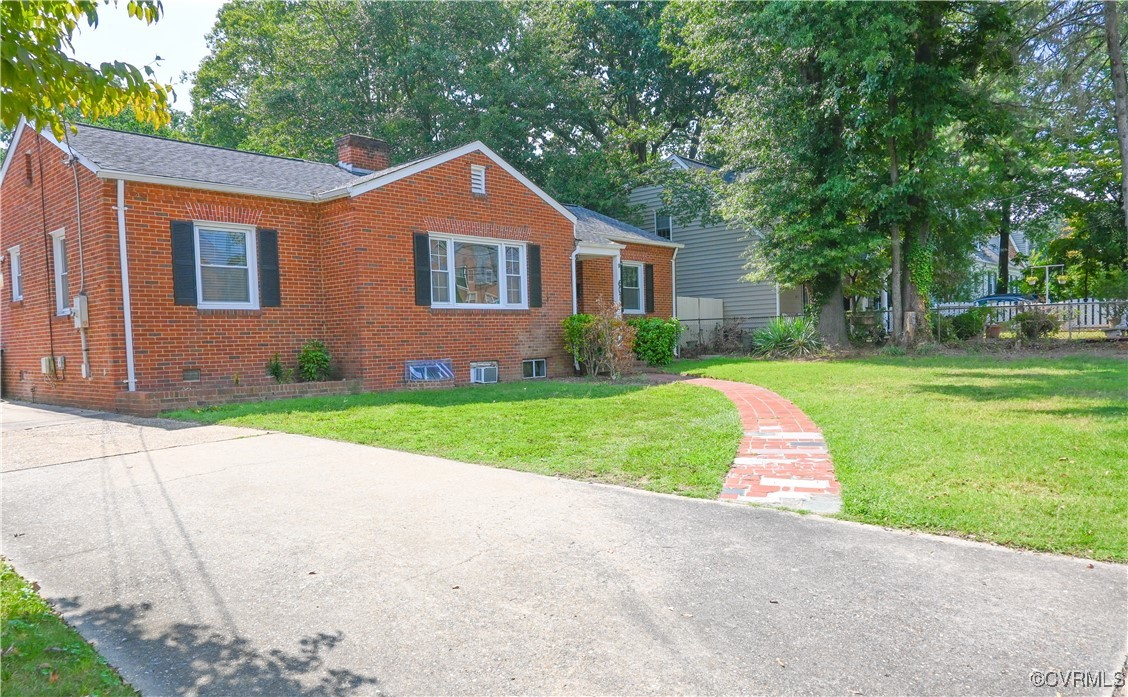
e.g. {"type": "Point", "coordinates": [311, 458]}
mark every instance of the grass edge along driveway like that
{"type": "Point", "coordinates": [42, 655]}
{"type": "Point", "coordinates": [1027, 452]}
{"type": "Point", "coordinates": [674, 438]}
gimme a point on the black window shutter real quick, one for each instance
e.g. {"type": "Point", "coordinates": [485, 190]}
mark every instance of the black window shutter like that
{"type": "Point", "coordinates": [183, 262]}
{"type": "Point", "coordinates": [533, 252]}
{"type": "Point", "coordinates": [649, 283]}
{"type": "Point", "coordinates": [423, 269]}
{"type": "Point", "coordinates": [579, 282]}
{"type": "Point", "coordinates": [270, 287]}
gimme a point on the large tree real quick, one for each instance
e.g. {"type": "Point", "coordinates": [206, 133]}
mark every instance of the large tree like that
{"type": "Point", "coordinates": [841, 119]}
{"type": "Point", "coordinates": [581, 96]}
{"type": "Point", "coordinates": [40, 79]}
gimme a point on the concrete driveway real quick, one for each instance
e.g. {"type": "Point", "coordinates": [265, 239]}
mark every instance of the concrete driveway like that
{"type": "Point", "coordinates": [210, 560]}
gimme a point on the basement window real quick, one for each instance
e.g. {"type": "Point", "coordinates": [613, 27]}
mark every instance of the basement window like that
{"type": "Point", "coordinates": [428, 371]}
{"type": "Point", "coordinates": [534, 368]}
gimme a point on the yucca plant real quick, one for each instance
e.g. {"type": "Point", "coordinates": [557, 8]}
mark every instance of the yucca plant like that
{"type": "Point", "coordinates": [787, 337]}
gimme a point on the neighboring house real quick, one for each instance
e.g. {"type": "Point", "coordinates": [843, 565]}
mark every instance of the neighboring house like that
{"type": "Point", "coordinates": [985, 264]}
{"type": "Point", "coordinates": [713, 262]}
{"type": "Point", "coordinates": [198, 264]}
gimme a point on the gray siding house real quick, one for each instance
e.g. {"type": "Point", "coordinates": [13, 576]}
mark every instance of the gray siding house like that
{"type": "Point", "coordinates": [712, 263]}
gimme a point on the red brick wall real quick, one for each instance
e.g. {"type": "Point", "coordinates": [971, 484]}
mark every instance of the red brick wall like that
{"type": "Point", "coordinates": [28, 329]}
{"type": "Point", "coordinates": [346, 270]}
{"type": "Point", "coordinates": [390, 329]}
{"type": "Point", "coordinates": [224, 345]}
{"type": "Point", "coordinates": [598, 280]}
{"type": "Point", "coordinates": [660, 257]}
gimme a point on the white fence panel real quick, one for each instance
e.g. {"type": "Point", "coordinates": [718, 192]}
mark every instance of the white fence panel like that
{"type": "Point", "coordinates": [699, 317]}
{"type": "Point", "coordinates": [1087, 313]}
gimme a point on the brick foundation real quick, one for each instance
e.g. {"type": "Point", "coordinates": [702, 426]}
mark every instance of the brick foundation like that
{"type": "Point", "coordinates": [153, 403]}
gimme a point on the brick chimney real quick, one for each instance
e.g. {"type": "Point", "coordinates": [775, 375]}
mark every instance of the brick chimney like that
{"type": "Point", "coordinates": [362, 154]}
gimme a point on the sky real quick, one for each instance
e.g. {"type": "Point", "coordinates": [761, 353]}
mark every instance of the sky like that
{"type": "Point", "coordinates": [178, 38]}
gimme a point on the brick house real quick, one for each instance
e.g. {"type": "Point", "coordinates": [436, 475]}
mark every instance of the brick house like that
{"type": "Point", "coordinates": [193, 265]}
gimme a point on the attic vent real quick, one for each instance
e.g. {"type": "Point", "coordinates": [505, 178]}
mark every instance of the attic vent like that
{"type": "Point", "coordinates": [477, 179]}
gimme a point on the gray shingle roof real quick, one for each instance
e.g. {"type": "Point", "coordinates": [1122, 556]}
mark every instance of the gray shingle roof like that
{"type": "Point", "coordinates": [161, 157]}
{"type": "Point", "coordinates": [596, 227]}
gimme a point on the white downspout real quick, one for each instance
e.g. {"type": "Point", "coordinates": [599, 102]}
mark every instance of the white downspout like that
{"type": "Point", "coordinates": [674, 281]}
{"type": "Point", "coordinates": [674, 290]}
{"type": "Point", "coordinates": [777, 300]}
{"type": "Point", "coordinates": [125, 301]}
{"type": "Point", "coordinates": [575, 300]}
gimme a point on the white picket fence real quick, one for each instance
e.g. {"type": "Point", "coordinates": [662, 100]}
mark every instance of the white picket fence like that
{"type": "Point", "coordinates": [1088, 313]}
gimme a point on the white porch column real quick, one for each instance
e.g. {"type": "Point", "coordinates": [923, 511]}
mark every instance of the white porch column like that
{"type": "Point", "coordinates": [616, 281]}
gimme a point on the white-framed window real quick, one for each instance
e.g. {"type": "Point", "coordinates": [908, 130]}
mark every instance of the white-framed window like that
{"type": "Point", "coordinates": [663, 225]}
{"type": "Point", "coordinates": [631, 282]}
{"type": "Point", "coordinates": [226, 267]}
{"type": "Point", "coordinates": [477, 179]}
{"type": "Point", "coordinates": [483, 372]}
{"type": "Point", "coordinates": [15, 269]}
{"type": "Point", "coordinates": [534, 368]}
{"type": "Point", "coordinates": [473, 272]}
{"type": "Point", "coordinates": [62, 276]}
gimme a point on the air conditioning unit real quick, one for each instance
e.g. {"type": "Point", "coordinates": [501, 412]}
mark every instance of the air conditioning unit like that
{"type": "Point", "coordinates": [483, 372]}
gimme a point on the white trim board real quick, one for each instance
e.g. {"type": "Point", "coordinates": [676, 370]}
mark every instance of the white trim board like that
{"type": "Point", "coordinates": [377, 180]}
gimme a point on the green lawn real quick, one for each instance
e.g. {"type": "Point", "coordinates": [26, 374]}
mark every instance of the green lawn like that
{"type": "Point", "coordinates": [614, 433]}
{"type": "Point", "coordinates": [1025, 452]}
{"type": "Point", "coordinates": [41, 655]}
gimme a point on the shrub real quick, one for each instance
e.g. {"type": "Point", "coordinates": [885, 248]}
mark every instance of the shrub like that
{"type": "Point", "coordinates": [575, 338]}
{"type": "Point", "coordinates": [656, 339]}
{"type": "Point", "coordinates": [867, 327]}
{"type": "Point", "coordinates": [1035, 324]}
{"type": "Point", "coordinates": [600, 341]}
{"type": "Point", "coordinates": [970, 324]}
{"type": "Point", "coordinates": [728, 336]}
{"type": "Point", "coordinates": [313, 361]}
{"type": "Point", "coordinates": [787, 337]}
{"type": "Point", "coordinates": [893, 350]}
{"type": "Point", "coordinates": [942, 328]}
{"type": "Point", "coordinates": [282, 374]}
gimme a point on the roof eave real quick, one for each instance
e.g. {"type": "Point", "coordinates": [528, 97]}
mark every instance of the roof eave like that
{"type": "Point", "coordinates": [204, 186]}
{"type": "Point", "coordinates": [652, 243]}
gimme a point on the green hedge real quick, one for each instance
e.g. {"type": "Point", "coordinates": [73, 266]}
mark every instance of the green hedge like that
{"type": "Point", "coordinates": [656, 339]}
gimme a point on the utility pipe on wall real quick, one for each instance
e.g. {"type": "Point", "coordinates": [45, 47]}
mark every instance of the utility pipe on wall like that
{"type": "Point", "coordinates": [125, 301]}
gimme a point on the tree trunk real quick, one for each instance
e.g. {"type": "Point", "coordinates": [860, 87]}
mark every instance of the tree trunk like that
{"type": "Point", "coordinates": [897, 303]}
{"type": "Point", "coordinates": [1002, 285]}
{"type": "Point", "coordinates": [832, 313]}
{"type": "Point", "coordinates": [1120, 95]}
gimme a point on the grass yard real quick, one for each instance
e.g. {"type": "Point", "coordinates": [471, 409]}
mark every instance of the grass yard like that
{"type": "Point", "coordinates": [1030, 452]}
{"type": "Point", "coordinates": [615, 433]}
{"type": "Point", "coordinates": [41, 655]}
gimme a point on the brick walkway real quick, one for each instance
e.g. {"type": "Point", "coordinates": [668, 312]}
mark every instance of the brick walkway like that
{"type": "Point", "coordinates": [783, 459]}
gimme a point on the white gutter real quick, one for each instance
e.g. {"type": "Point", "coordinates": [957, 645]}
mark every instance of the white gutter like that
{"type": "Point", "coordinates": [209, 186]}
{"type": "Point", "coordinates": [125, 301]}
